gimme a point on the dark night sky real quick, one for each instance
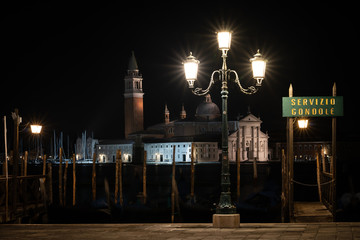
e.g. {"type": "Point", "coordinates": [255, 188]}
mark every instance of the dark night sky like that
{"type": "Point", "coordinates": [64, 65]}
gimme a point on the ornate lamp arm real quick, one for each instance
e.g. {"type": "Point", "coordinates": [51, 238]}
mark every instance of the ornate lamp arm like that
{"type": "Point", "coordinates": [200, 91]}
{"type": "Point", "coordinates": [249, 90]}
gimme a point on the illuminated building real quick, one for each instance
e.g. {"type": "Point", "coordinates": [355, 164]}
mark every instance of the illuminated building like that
{"type": "Point", "coordinates": [106, 150]}
{"type": "Point", "coordinates": [205, 129]}
{"type": "Point", "coordinates": [161, 152]}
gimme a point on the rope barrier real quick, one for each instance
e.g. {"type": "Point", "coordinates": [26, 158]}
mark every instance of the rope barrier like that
{"type": "Point", "coordinates": [312, 185]}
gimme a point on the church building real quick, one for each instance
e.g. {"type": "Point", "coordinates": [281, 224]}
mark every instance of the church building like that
{"type": "Point", "coordinates": [202, 131]}
{"type": "Point", "coordinates": [244, 134]}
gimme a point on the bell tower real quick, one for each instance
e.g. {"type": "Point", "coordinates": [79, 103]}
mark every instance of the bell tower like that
{"type": "Point", "coordinates": [134, 107]}
{"type": "Point", "coordinates": [167, 115]}
{"type": "Point", "coordinates": [183, 112]}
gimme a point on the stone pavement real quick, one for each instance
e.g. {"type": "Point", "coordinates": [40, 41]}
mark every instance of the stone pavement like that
{"type": "Point", "coordinates": [326, 231]}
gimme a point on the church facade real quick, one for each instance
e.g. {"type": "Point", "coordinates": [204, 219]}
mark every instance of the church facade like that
{"type": "Point", "coordinates": [249, 140]}
{"type": "Point", "coordinates": [245, 134]}
{"type": "Point", "coordinates": [202, 132]}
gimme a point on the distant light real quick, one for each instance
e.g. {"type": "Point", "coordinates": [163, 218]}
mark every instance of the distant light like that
{"type": "Point", "coordinates": [101, 158]}
{"type": "Point", "coordinates": [303, 123]}
{"type": "Point", "coordinates": [126, 157]}
{"type": "Point", "coordinates": [36, 129]}
{"type": "Point", "coordinates": [224, 40]}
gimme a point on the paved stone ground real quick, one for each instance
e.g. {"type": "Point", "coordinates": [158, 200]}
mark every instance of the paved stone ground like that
{"type": "Point", "coordinates": [326, 231]}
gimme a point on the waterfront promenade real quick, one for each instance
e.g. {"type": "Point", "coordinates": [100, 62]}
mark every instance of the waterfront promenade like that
{"type": "Point", "coordinates": [325, 231]}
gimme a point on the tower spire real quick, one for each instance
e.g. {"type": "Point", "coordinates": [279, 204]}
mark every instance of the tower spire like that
{"type": "Point", "coordinates": [167, 115]}
{"type": "Point", "coordinates": [132, 63]}
{"type": "Point", "coordinates": [183, 112]}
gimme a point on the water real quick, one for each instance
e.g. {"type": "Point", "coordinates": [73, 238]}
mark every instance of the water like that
{"type": "Point", "coordinates": [158, 204]}
{"type": "Point", "coordinates": [259, 199]}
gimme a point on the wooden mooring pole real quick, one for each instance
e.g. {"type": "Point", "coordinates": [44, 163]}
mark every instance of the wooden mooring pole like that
{"type": "Point", "coordinates": [238, 174]}
{"type": "Point", "coordinates": [6, 174]}
{"type": "Point", "coordinates": [290, 160]}
{"type": "Point", "coordinates": [173, 187]}
{"type": "Point", "coordinates": [65, 182]}
{"type": "Point", "coordinates": [24, 164]}
{"type": "Point", "coordinates": [93, 178]}
{"type": "Point", "coordinates": [284, 189]}
{"type": "Point", "coordinates": [144, 178]}
{"type": "Point", "coordinates": [192, 186]}
{"type": "Point", "coordinates": [121, 199]}
{"type": "Point", "coordinates": [116, 178]}
{"type": "Point", "coordinates": [50, 183]}
{"type": "Point", "coordinates": [44, 165]}
{"type": "Point", "coordinates": [74, 180]}
{"type": "Point", "coordinates": [14, 189]}
{"type": "Point", "coordinates": [318, 169]}
{"type": "Point", "coordinates": [255, 173]}
{"type": "Point", "coordinates": [333, 162]}
{"type": "Point", "coordinates": [60, 178]}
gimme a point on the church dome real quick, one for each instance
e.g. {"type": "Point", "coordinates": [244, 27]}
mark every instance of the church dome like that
{"type": "Point", "coordinates": [207, 110]}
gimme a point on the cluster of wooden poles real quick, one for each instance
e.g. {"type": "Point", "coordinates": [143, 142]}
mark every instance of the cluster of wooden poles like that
{"type": "Point", "coordinates": [118, 194]}
{"type": "Point", "coordinates": [14, 191]}
{"type": "Point", "coordinates": [118, 197]}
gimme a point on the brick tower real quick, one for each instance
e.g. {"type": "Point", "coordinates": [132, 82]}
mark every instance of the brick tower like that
{"type": "Point", "coordinates": [134, 108]}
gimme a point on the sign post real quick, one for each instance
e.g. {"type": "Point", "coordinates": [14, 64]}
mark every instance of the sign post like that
{"type": "Point", "coordinates": [293, 107]}
{"type": "Point", "coordinates": [333, 162]}
{"type": "Point", "coordinates": [289, 168]}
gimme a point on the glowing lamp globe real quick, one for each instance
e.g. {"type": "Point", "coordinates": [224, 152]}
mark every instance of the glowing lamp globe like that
{"type": "Point", "coordinates": [224, 40]}
{"type": "Point", "coordinates": [258, 64]}
{"type": "Point", "coordinates": [36, 129]}
{"type": "Point", "coordinates": [191, 65]}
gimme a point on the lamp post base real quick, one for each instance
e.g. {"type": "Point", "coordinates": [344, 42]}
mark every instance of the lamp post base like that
{"type": "Point", "coordinates": [225, 206]}
{"type": "Point", "coordinates": [226, 220]}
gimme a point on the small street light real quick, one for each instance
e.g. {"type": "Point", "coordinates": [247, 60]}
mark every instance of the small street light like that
{"type": "Point", "coordinates": [303, 123]}
{"type": "Point", "coordinates": [258, 63]}
{"type": "Point", "coordinates": [35, 129]}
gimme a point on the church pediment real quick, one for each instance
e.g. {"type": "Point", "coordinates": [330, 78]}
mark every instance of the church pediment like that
{"type": "Point", "coordinates": [250, 118]}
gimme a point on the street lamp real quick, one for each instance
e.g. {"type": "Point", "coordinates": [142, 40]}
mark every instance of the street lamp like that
{"type": "Point", "coordinates": [258, 63]}
{"type": "Point", "coordinates": [224, 40]}
{"type": "Point", "coordinates": [36, 129]}
{"type": "Point", "coordinates": [191, 69]}
{"type": "Point", "coordinates": [303, 123]}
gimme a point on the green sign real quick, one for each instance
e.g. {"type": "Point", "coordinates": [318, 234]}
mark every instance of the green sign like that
{"type": "Point", "coordinates": [312, 106]}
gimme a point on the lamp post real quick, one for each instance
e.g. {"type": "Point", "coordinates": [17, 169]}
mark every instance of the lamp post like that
{"type": "Point", "coordinates": [258, 63]}
{"type": "Point", "coordinates": [36, 129]}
